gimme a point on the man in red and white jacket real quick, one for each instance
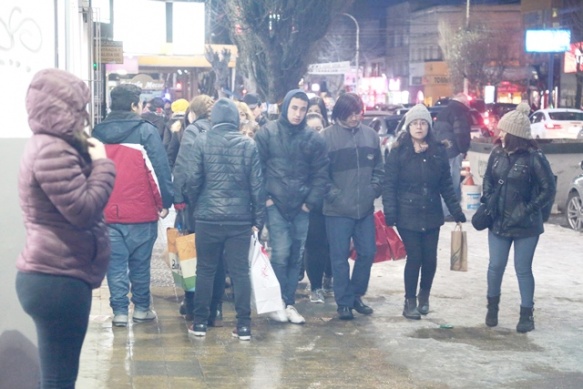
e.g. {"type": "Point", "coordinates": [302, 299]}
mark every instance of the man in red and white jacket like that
{"type": "Point", "coordinates": [141, 195]}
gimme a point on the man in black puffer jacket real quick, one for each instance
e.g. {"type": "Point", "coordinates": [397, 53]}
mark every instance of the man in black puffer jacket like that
{"type": "Point", "coordinates": [453, 128]}
{"type": "Point", "coordinates": [225, 184]}
{"type": "Point", "coordinates": [295, 164]}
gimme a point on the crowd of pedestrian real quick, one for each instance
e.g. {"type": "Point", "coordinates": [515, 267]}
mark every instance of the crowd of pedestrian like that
{"type": "Point", "coordinates": [230, 173]}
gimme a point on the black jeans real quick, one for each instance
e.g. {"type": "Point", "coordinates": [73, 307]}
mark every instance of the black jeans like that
{"type": "Point", "coordinates": [317, 251]}
{"type": "Point", "coordinates": [421, 249]}
{"type": "Point", "coordinates": [231, 243]}
{"type": "Point", "coordinates": [60, 307]}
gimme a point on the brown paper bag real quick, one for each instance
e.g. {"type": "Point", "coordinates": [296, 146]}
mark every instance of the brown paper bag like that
{"type": "Point", "coordinates": [459, 249]}
{"type": "Point", "coordinates": [173, 262]}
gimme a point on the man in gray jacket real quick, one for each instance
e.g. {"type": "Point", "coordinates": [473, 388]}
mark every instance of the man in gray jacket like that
{"type": "Point", "coordinates": [356, 173]}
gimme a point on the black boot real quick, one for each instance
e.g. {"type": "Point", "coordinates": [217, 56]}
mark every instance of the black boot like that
{"type": "Point", "coordinates": [423, 302]}
{"type": "Point", "coordinates": [526, 322]}
{"type": "Point", "coordinates": [492, 315]}
{"type": "Point", "coordinates": [410, 310]}
{"type": "Point", "coordinates": [189, 306]}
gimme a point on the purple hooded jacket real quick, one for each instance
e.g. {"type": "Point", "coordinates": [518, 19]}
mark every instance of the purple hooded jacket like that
{"type": "Point", "coordinates": [62, 193]}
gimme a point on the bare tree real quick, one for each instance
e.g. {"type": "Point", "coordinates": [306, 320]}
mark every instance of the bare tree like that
{"type": "Point", "coordinates": [479, 54]}
{"type": "Point", "coordinates": [275, 39]}
{"type": "Point", "coordinates": [220, 66]}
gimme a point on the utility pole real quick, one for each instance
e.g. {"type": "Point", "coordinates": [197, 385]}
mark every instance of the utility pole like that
{"type": "Point", "coordinates": [357, 48]}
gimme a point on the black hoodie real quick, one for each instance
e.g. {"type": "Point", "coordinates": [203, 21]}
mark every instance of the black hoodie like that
{"type": "Point", "coordinates": [294, 160]}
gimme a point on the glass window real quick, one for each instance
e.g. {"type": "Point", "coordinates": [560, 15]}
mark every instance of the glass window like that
{"type": "Point", "coordinates": [566, 115]}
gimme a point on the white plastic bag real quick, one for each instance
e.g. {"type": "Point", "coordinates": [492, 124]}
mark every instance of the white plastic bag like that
{"type": "Point", "coordinates": [265, 290]}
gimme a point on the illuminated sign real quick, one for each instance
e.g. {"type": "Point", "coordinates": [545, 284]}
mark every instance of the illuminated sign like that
{"type": "Point", "coordinates": [574, 58]}
{"type": "Point", "coordinates": [547, 41]}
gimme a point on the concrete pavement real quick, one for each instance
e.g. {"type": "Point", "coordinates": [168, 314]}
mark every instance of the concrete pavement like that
{"type": "Point", "coordinates": [384, 350]}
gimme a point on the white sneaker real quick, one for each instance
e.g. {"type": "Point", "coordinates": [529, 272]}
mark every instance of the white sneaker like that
{"type": "Point", "coordinates": [144, 316]}
{"type": "Point", "coordinates": [293, 316]}
{"type": "Point", "coordinates": [279, 316]}
{"type": "Point", "coordinates": [121, 320]}
{"type": "Point", "coordinates": [317, 296]}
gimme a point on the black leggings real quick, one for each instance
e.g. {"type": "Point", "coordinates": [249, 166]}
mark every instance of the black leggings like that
{"type": "Point", "coordinates": [60, 307]}
{"type": "Point", "coordinates": [317, 251]}
{"type": "Point", "coordinates": [421, 249]}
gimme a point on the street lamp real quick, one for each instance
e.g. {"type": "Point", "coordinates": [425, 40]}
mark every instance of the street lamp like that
{"type": "Point", "coordinates": [357, 46]}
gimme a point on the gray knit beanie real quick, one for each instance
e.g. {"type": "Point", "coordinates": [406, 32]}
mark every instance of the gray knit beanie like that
{"type": "Point", "coordinates": [516, 122]}
{"type": "Point", "coordinates": [419, 111]}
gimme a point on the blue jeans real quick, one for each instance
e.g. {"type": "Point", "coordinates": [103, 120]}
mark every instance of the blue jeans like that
{"type": "Point", "coordinates": [455, 166]}
{"type": "Point", "coordinates": [60, 307]}
{"type": "Point", "coordinates": [362, 232]}
{"type": "Point", "coordinates": [287, 240]}
{"type": "Point", "coordinates": [524, 248]}
{"type": "Point", "coordinates": [131, 252]}
{"type": "Point", "coordinates": [215, 243]}
{"type": "Point", "coordinates": [421, 249]}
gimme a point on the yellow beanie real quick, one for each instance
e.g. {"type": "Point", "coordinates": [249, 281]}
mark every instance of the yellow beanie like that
{"type": "Point", "coordinates": [180, 105]}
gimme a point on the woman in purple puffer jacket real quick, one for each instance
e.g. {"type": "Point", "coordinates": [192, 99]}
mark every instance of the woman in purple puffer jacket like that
{"type": "Point", "coordinates": [64, 183]}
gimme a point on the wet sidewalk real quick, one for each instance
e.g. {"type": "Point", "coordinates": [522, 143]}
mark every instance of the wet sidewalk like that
{"type": "Point", "coordinates": [384, 350]}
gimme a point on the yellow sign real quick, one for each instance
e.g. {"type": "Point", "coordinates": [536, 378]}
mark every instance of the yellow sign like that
{"type": "Point", "coordinates": [111, 52]}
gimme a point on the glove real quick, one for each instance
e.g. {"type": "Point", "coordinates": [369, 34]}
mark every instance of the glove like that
{"type": "Point", "coordinates": [460, 218]}
{"type": "Point", "coordinates": [391, 221]}
{"type": "Point", "coordinates": [180, 206]}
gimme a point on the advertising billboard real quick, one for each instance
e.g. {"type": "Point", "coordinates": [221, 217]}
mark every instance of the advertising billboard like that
{"type": "Point", "coordinates": [547, 41]}
{"type": "Point", "coordinates": [574, 58]}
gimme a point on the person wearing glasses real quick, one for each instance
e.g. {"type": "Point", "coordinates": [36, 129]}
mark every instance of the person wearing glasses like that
{"type": "Point", "coordinates": [416, 176]}
{"type": "Point", "coordinates": [355, 179]}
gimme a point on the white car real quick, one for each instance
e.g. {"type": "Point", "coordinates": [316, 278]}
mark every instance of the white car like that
{"type": "Point", "coordinates": [557, 123]}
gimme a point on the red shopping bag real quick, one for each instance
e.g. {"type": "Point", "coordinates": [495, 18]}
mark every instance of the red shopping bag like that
{"type": "Point", "coordinates": [382, 240]}
{"type": "Point", "coordinates": [395, 243]}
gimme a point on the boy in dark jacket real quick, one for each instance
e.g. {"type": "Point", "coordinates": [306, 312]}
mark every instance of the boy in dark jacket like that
{"type": "Point", "coordinates": [225, 185]}
{"type": "Point", "coordinates": [295, 165]}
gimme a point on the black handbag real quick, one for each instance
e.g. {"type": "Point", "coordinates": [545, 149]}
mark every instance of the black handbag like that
{"type": "Point", "coordinates": [482, 219]}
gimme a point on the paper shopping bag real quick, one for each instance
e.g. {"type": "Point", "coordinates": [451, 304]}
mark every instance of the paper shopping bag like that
{"type": "Point", "coordinates": [266, 293]}
{"type": "Point", "coordinates": [187, 256]}
{"type": "Point", "coordinates": [173, 262]}
{"type": "Point", "coordinates": [459, 249]}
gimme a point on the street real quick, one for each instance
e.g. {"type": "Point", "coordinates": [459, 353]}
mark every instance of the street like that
{"type": "Point", "coordinates": [384, 350]}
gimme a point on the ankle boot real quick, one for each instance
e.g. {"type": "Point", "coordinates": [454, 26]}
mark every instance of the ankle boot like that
{"type": "Point", "coordinates": [492, 315]}
{"type": "Point", "coordinates": [423, 301]}
{"type": "Point", "coordinates": [526, 322]}
{"type": "Point", "coordinates": [410, 310]}
{"type": "Point", "coordinates": [189, 305]}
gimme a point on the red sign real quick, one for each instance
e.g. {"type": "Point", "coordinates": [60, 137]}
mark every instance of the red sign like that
{"type": "Point", "coordinates": [574, 58]}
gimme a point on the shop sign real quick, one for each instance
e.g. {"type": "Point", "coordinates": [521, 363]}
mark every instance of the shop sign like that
{"type": "Point", "coordinates": [111, 52]}
{"type": "Point", "coordinates": [329, 68]}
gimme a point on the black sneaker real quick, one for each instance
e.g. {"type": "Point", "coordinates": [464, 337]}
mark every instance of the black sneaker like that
{"type": "Point", "coordinates": [243, 333]}
{"type": "Point", "coordinates": [197, 329]}
{"type": "Point", "coordinates": [361, 307]}
{"type": "Point", "coordinates": [345, 313]}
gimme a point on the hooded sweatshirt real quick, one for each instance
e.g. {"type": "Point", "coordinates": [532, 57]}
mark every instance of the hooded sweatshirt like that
{"type": "Point", "coordinates": [144, 184]}
{"type": "Point", "coordinates": [224, 181]}
{"type": "Point", "coordinates": [62, 192]}
{"type": "Point", "coordinates": [294, 160]}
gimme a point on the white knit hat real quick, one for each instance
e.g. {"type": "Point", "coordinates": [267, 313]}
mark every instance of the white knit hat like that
{"type": "Point", "coordinates": [516, 122]}
{"type": "Point", "coordinates": [419, 111]}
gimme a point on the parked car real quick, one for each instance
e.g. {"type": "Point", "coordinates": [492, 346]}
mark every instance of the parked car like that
{"type": "Point", "coordinates": [557, 123]}
{"type": "Point", "coordinates": [574, 206]}
{"type": "Point", "coordinates": [385, 125]}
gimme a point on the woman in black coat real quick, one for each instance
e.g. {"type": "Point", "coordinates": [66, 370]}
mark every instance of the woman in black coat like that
{"type": "Point", "coordinates": [527, 188]}
{"type": "Point", "coordinates": [417, 175]}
